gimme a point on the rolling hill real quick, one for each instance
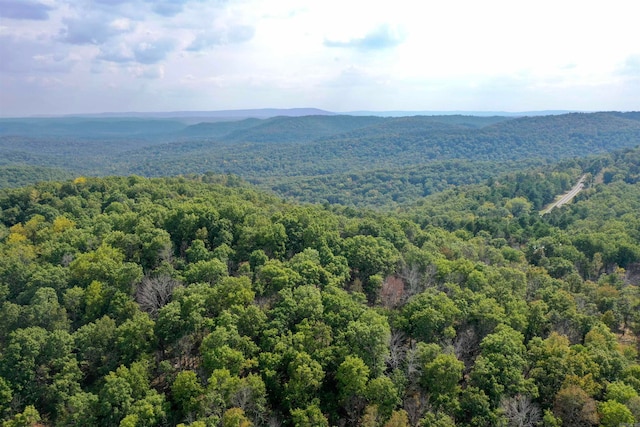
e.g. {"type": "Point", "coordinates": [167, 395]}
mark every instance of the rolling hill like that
{"type": "Point", "coordinates": [275, 151]}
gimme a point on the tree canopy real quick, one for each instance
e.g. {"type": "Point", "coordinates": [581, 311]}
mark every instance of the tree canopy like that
{"type": "Point", "coordinates": [205, 302]}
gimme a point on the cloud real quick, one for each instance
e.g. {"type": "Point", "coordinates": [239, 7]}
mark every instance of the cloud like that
{"type": "Point", "coordinates": [382, 37]}
{"type": "Point", "coordinates": [240, 33]}
{"type": "Point", "coordinates": [95, 29]}
{"type": "Point", "coordinates": [168, 7]}
{"type": "Point", "coordinates": [26, 56]}
{"type": "Point", "coordinates": [142, 10]}
{"type": "Point", "coordinates": [24, 9]}
{"type": "Point", "coordinates": [120, 53]}
{"type": "Point", "coordinates": [232, 35]}
{"type": "Point", "coordinates": [631, 66]}
{"type": "Point", "coordinates": [153, 52]}
{"type": "Point", "coordinates": [147, 72]}
{"type": "Point", "coordinates": [145, 52]}
{"type": "Point", "coordinates": [353, 76]}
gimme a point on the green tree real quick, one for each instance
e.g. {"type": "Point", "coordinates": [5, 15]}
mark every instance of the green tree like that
{"type": "Point", "coordinates": [135, 337]}
{"type": "Point", "coordinates": [127, 393]}
{"type": "Point", "coordinates": [96, 344]}
{"type": "Point", "coordinates": [315, 338]}
{"type": "Point", "coordinates": [210, 271]}
{"type": "Point", "coordinates": [440, 378]}
{"type": "Point", "coordinates": [499, 370]}
{"type": "Point", "coordinates": [151, 410]}
{"type": "Point", "coordinates": [620, 392]}
{"type": "Point", "coordinates": [187, 392]}
{"type": "Point", "coordinates": [437, 420]}
{"type": "Point", "coordinates": [28, 418]}
{"type": "Point", "coordinates": [431, 316]}
{"type": "Point", "coordinates": [369, 256]}
{"type": "Point", "coordinates": [295, 305]}
{"type": "Point", "coordinates": [518, 206]}
{"type": "Point", "coordinates": [260, 233]}
{"type": "Point", "coordinates": [225, 348]}
{"type": "Point", "coordinates": [311, 416]}
{"type": "Point", "coordinates": [80, 409]}
{"type": "Point", "coordinates": [368, 339]}
{"type": "Point", "coordinates": [602, 346]}
{"type": "Point", "coordinates": [550, 360]}
{"type": "Point", "coordinates": [106, 265]}
{"type": "Point", "coordinates": [115, 399]}
{"type": "Point", "coordinates": [273, 276]}
{"type": "Point", "coordinates": [198, 252]}
{"type": "Point", "coordinates": [45, 310]}
{"type": "Point", "coordinates": [352, 377]}
{"type": "Point", "coordinates": [225, 391]}
{"type": "Point", "coordinates": [230, 292]}
{"type": "Point", "coordinates": [475, 408]}
{"type": "Point", "coordinates": [234, 417]}
{"type": "Point", "coordinates": [6, 395]}
{"type": "Point", "coordinates": [383, 393]}
{"type": "Point", "coordinates": [613, 414]}
{"type": "Point", "coordinates": [20, 360]}
{"type": "Point", "coordinates": [305, 379]}
{"type": "Point", "coordinates": [40, 367]}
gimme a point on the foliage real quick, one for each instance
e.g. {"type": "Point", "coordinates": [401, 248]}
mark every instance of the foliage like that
{"type": "Point", "coordinates": [354, 161]}
{"type": "Point", "coordinates": [167, 301]}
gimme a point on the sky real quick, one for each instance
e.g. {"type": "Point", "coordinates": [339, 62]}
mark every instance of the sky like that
{"type": "Point", "coordinates": [91, 56]}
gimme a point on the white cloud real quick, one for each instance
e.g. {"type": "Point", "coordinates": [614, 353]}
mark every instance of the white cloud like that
{"type": "Point", "coordinates": [631, 66]}
{"type": "Point", "coordinates": [153, 51]}
{"type": "Point", "coordinates": [382, 37]}
{"type": "Point", "coordinates": [92, 29]}
{"type": "Point", "coordinates": [24, 10]}
{"type": "Point", "coordinates": [147, 72]}
{"type": "Point", "coordinates": [116, 52]}
{"type": "Point", "coordinates": [459, 54]}
{"type": "Point", "coordinates": [205, 40]}
{"type": "Point", "coordinates": [28, 57]}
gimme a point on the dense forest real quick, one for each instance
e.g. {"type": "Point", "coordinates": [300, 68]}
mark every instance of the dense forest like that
{"type": "Point", "coordinates": [202, 300]}
{"type": "Point", "coordinates": [357, 161]}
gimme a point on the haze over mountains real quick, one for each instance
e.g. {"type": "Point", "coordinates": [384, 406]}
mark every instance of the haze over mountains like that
{"type": "Point", "coordinates": [427, 151]}
{"type": "Point", "coordinates": [264, 113]}
{"type": "Point", "coordinates": [261, 113]}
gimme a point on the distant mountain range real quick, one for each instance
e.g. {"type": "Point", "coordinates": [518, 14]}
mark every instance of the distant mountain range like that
{"type": "Point", "coordinates": [260, 113]}
{"type": "Point", "coordinates": [304, 145]}
{"type": "Point", "coordinates": [265, 113]}
{"type": "Point", "coordinates": [401, 113]}
{"type": "Point", "coordinates": [315, 157]}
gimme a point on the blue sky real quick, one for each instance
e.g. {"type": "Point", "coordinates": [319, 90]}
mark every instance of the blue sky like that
{"type": "Point", "coordinates": [86, 56]}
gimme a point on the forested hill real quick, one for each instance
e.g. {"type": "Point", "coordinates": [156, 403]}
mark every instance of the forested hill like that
{"type": "Point", "coordinates": [389, 143]}
{"type": "Point", "coordinates": [128, 301]}
{"type": "Point", "coordinates": [277, 153]}
{"type": "Point", "coordinates": [281, 129]}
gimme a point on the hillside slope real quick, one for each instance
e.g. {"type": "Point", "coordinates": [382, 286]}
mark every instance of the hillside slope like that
{"type": "Point", "coordinates": [133, 301]}
{"type": "Point", "coordinates": [275, 152]}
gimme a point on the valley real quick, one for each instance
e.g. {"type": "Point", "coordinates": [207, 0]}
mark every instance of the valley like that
{"type": "Point", "coordinates": [320, 271]}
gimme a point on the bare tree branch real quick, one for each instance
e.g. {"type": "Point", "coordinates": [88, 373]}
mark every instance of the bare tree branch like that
{"type": "Point", "coordinates": [520, 411]}
{"type": "Point", "coordinates": [155, 292]}
{"type": "Point", "coordinates": [397, 349]}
